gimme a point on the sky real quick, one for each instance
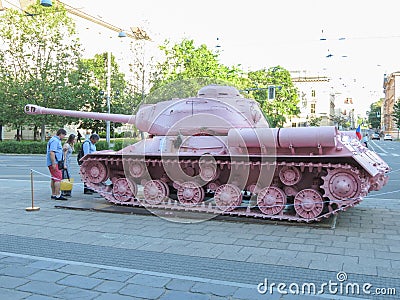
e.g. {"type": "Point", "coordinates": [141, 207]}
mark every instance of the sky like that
{"type": "Point", "coordinates": [361, 38]}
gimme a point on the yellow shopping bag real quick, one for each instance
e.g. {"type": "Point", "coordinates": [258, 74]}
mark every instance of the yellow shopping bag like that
{"type": "Point", "coordinates": [66, 184]}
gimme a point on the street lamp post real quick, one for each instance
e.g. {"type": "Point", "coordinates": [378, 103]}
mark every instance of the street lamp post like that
{"type": "Point", "coordinates": [108, 96]}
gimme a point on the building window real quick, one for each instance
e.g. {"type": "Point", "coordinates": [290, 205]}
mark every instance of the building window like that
{"type": "Point", "coordinates": [294, 124]}
{"type": "Point", "coordinates": [313, 108]}
{"type": "Point", "coordinates": [313, 93]}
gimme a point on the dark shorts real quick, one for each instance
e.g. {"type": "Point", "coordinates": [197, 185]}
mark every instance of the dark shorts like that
{"type": "Point", "coordinates": [56, 174]}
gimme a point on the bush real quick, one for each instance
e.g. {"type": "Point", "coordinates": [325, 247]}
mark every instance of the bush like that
{"type": "Point", "coordinates": [119, 144]}
{"type": "Point", "coordinates": [36, 147]}
{"type": "Point", "coordinates": [23, 147]}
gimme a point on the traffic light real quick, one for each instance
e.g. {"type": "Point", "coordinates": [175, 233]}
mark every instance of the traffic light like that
{"type": "Point", "coordinates": [271, 92]}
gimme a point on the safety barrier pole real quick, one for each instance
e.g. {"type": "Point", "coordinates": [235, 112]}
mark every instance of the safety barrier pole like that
{"type": "Point", "coordinates": [32, 208]}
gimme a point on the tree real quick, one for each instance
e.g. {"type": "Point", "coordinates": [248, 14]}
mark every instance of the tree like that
{"type": "Point", "coordinates": [396, 113]}
{"type": "Point", "coordinates": [340, 121]}
{"type": "Point", "coordinates": [286, 98]}
{"type": "Point", "coordinates": [122, 99]}
{"type": "Point", "coordinates": [315, 121]}
{"type": "Point", "coordinates": [187, 68]}
{"type": "Point", "coordinates": [374, 115]}
{"type": "Point", "coordinates": [39, 65]}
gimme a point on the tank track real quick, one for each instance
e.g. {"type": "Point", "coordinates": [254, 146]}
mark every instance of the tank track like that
{"type": "Point", "coordinates": [305, 211]}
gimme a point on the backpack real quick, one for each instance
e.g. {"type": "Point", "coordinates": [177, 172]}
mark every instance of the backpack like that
{"type": "Point", "coordinates": [80, 154]}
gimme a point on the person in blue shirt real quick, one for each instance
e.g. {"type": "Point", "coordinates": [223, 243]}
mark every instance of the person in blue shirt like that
{"type": "Point", "coordinates": [53, 155]}
{"type": "Point", "coordinates": [89, 146]}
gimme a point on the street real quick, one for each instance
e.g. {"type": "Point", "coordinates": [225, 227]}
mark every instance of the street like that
{"type": "Point", "coordinates": [74, 254]}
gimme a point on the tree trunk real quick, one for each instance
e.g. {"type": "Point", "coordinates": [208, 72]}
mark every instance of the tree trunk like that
{"type": "Point", "coordinates": [18, 136]}
{"type": "Point", "coordinates": [43, 132]}
{"type": "Point", "coordinates": [35, 133]}
{"type": "Point", "coordinates": [1, 132]}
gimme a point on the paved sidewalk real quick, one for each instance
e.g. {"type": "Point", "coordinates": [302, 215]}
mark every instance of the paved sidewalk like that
{"type": "Point", "coordinates": [72, 254]}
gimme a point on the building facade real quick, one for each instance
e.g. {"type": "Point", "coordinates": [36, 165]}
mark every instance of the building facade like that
{"type": "Point", "coordinates": [316, 101]}
{"type": "Point", "coordinates": [391, 85]}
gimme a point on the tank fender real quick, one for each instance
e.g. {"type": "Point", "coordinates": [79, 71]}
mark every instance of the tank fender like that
{"type": "Point", "coordinates": [296, 137]}
{"type": "Point", "coordinates": [307, 137]}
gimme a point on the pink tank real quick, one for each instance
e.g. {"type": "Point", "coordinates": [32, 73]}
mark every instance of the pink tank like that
{"type": "Point", "coordinates": [215, 153]}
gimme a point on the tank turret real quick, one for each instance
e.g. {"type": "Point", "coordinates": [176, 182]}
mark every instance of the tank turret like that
{"type": "Point", "coordinates": [215, 153]}
{"type": "Point", "coordinates": [215, 110]}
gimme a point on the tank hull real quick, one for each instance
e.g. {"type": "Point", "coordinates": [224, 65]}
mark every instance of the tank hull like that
{"type": "Point", "coordinates": [215, 153]}
{"type": "Point", "coordinates": [295, 180]}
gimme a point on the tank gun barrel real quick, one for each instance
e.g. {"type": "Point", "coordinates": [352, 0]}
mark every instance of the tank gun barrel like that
{"type": "Point", "coordinates": [32, 109]}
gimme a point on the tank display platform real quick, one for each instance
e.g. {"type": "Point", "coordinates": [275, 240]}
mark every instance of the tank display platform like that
{"type": "Point", "coordinates": [101, 205]}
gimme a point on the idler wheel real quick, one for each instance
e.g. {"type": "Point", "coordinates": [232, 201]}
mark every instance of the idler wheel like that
{"type": "Point", "coordinates": [227, 197]}
{"type": "Point", "coordinates": [95, 171]}
{"type": "Point", "coordinates": [123, 190]}
{"type": "Point", "coordinates": [155, 191]}
{"type": "Point", "coordinates": [190, 193]}
{"type": "Point", "coordinates": [289, 175]}
{"type": "Point", "coordinates": [342, 184]}
{"type": "Point", "coordinates": [308, 203]}
{"type": "Point", "coordinates": [271, 200]}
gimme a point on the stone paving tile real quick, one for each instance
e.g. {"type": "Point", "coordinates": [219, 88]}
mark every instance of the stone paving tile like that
{"type": "Point", "coordinates": [13, 260]}
{"type": "Point", "coordinates": [46, 265]}
{"type": "Point", "coordinates": [179, 285]}
{"type": "Point", "coordinates": [11, 282]}
{"type": "Point", "coordinates": [149, 280]}
{"type": "Point", "coordinates": [76, 293]}
{"type": "Point", "coordinates": [13, 294]}
{"type": "Point", "coordinates": [359, 269]}
{"type": "Point", "coordinates": [331, 250]}
{"type": "Point", "coordinates": [214, 289]}
{"type": "Point", "coordinates": [388, 272]}
{"type": "Point", "coordinates": [247, 293]}
{"type": "Point", "coordinates": [140, 291]}
{"type": "Point", "coordinates": [47, 276]}
{"type": "Point", "coordinates": [254, 251]}
{"type": "Point", "coordinates": [109, 296]}
{"type": "Point", "coordinates": [114, 275]}
{"type": "Point", "coordinates": [40, 297]}
{"type": "Point", "coordinates": [41, 288]}
{"type": "Point", "coordinates": [18, 271]}
{"type": "Point", "coordinates": [80, 281]}
{"type": "Point", "coordinates": [377, 262]}
{"type": "Point", "coordinates": [248, 242]}
{"type": "Point", "coordinates": [78, 270]}
{"type": "Point", "coordinates": [335, 266]}
{"type": "Point", "coordinates": [343, 259]}
{"type": "Point", "coordinates": [301, 247]}
{"type": "Point", "coordinates": [110, 286]}
{"type": "Point", "coordinates": [263, 259]}
{"type": "Point", "coordinates": [239, 256]}
{"type": "Point", "coordinates": [311, 256]}
{"type": "Point", "coordinates": [289, 261]}
{"type": "Point", "coordinates": [181, 295]}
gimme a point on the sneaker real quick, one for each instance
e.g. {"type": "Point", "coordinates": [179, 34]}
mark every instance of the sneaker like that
{"type": "Point", "coordinates": [53, 197]}
{"type": "Point", "coordinates": [88, 192]}
{"type": "Point", "coordinates": [61, 198]}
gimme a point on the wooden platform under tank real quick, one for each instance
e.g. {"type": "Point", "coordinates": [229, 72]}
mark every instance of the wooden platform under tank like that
{"type": "Point", "coordinates": [101, 205]}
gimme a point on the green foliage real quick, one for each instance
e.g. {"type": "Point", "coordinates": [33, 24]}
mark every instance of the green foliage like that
{"type": "Point", "coordinates": [374, 115]}
{"type": "Point", "coordinates": [40, 65]}
{"type": "Point", "coordinates": [119, 144]}
{"type": "Point", "coordinates": [340, 121]}
{"type": "Point", "coordinates": [315, 121]}
{"type": "Point", "coordinates": [122, 101]}
{"type": "Point", "coordinates": [396, 113]}
{"type": "Point", "coordinates": [286, 98]}
{"type": "Point", "coordinates": [24, 147]}
{"type": "Point", "coordinates": [187, 68]}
